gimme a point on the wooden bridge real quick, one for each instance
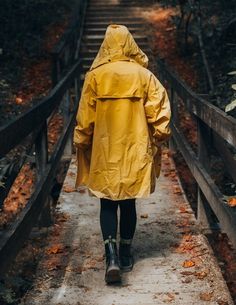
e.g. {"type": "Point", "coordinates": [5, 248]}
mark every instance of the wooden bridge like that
{"type": "Point", "coordinates": [174, 262]}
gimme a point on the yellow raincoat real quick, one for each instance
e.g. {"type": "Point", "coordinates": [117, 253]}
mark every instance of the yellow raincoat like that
{"type": "Point", "coordinates": [123, 115]}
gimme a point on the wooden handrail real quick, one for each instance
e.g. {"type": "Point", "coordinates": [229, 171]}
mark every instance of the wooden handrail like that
{"type": "Point", "coordinates": [215, 118]}
{"type": "Point", "coordinates": [33, 126]}
{"type": "Point", "coordinates": [36, 119]}
{"type": "Point", "coordinates": [222, 130]}
{"type": "Point", "coordinates": [15, 131]}
{"type": "Point", "coordinates": [225, 214]}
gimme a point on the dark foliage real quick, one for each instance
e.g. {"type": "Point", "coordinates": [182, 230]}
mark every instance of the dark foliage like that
{"type": "Point", "coordinates": [22, 23]}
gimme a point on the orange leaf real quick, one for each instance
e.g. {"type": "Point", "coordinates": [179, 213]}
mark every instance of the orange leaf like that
{"type": "Point", "coordinates": [188, 264]}
{"type": "Point", "coordinates": [232, 202]}
{"type": "Point", "coordinates": [69, 189]}
{"type": "Point", "coordinates": [71, 174]}
{"type": "Point", "coordinates": [177, 190]}
{"type": "Point", "coordinates": [188, 238]}
{"type": "Point", "coordinates": [182, 209]}
{"type": "Point", "coordinates": [169, 297]}
{"type": "Point", "coordinates": [222, 302]}
{"type": "Point", "coordinates": [55, 249]}
{"type": "Point", "coordinates": [206, 296]}
{"type": "Point", "coordinates": [167, 174]}
{"type": "Point", "coordinates": [201, 275]}
{"type": "Point", "coordinates": [19, 100]}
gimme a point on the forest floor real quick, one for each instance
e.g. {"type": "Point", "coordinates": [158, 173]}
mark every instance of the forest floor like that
{"type": "Point", "coordinates": [218, 27]}
{"type": "Point", "coordinates": [30, 31]}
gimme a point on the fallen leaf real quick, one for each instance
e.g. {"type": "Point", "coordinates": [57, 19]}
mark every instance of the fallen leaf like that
{"type": "Point", "coordinates": [69, 189]}
{"type": "Point", "coordinates": [183, 223]}
{"type": "Point", "coordinates": [182, 210]}
{"type": "Point", "coordinates": [206, 296]}
{"type": "Point", "coordinates": [170, 295]}
{"type": "Point", "coordinates": [189, 247]}
{"type": "Point", "coordinates": [18, 100]}
{"type": "Point", "coordinates": [188, 264]}
{"type": "Point", "coordinates": [232, 202]}
{"type": "Point", "coordinates": [58, 248]}
{"type": "Point", "coordinates": [178, 191]}
{"type": "Point", "coordinates": [53, 264]}
{"type": "Point", "coordinates": [222, 302]}
{"type": "Point", "coordinates": [188, 238]}
{"type": "Point", "coordinates": [186, 273]}
{"type": "Point", "coordinates": [144, 216]}
{"type": "Point", "coordinates": [201, 275]}
{"type": "Point", "coordinates": [71, 174]}
{"type": "Point", "coordinates": [173, 177]}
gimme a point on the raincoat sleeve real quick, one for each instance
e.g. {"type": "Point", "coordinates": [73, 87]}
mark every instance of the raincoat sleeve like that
{"type": "Point", "coordinates": [83, 133]}
{"type": "Point", "coordinates": [157, 110]}
{"type": "Point", "coordinates": [85, 118]}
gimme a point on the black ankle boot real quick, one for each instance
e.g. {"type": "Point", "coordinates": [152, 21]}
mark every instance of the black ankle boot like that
{"type": "Point", "coordinates": [126, 258]}
{"type": "Point", "coordinates": [112, 270]}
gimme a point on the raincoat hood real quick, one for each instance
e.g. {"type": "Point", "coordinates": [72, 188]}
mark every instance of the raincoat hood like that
{"type": "Point", "coordinates": [119, 44]}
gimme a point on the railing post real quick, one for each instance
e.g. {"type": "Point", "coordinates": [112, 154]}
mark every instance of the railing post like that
{"type": "Point", "coordinates": [54, 70]}
{"type": "Point", "coordinates": [205, 218]}
{"type": "Point", "coordinates": [66, 110]}
{"type": "Point", "coordinates": [66, 56]}
{"type": "Point", "coordinates": [41, 151]}
{"type": "Point", "coordinates": [41, 160]}
{"type": "Point", "coordinates": [59, 65]}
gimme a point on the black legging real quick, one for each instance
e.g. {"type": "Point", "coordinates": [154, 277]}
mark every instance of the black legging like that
{"type": "Point", "coordinates": [108, 218]}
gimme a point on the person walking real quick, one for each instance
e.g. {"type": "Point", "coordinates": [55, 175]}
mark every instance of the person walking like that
{"type": "Point", "coordinates": [123, 117]}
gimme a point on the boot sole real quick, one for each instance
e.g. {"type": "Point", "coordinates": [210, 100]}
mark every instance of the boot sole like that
{"type": "Point", "coordinates": [113, 276]}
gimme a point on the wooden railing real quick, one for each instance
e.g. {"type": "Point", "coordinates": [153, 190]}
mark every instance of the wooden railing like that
{"type": "Point", "coordinates": [214, 128]}
{"type": "Point", "coordinates": [25, 140]}
{"type": "Point", "coordinates": [33, 126]}
{"type": "Point", "coordinates": [67, 50]}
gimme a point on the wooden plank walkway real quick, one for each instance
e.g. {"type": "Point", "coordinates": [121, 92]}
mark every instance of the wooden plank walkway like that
{"type": "Point", "coordinates": [166, 242]}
